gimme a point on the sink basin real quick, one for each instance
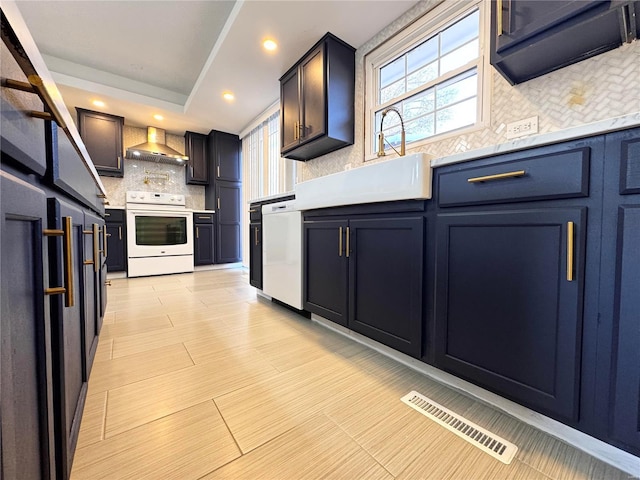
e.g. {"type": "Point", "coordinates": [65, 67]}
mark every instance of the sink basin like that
{"type": "Point", "coordinates": [402, 178]}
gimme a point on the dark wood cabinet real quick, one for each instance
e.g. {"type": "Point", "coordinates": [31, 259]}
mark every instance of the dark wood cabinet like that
{"type": "Point", "coordinates": [225, 148]}
{"type": "Point", "coordinates": [224, 195]}
{"type": "Point", "coordinates": [367, 274]}
{"type": "Point", "coordinates": [530, 38]}
{"type": "Point", "coordinates": [116, 226]}
{"type": "Point", "coordinates": [68, 329]}
{"type": "Point", "coordinates": [228, 219]}
{"type": "Point", "coordinates": [255, 254]}
{"type": "Point", "coordinates": [197, 169]}
{"type": "Point", "coordinates": [316, 101]}
{"type": "Point", "coordinates": [326, 269]}
{"type": "Point", "coordinates": [509, 303]}
{"type": "Point", "coordinates": [620, 299]}
{"type": "Point", "coordinates": [26, 398]}
{"type": "Point", "coordinates": [102, 135]}
{"type": "Point", "coordinates": [204, 238]}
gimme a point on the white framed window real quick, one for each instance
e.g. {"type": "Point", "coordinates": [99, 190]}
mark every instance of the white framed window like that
{"type": "Point", "coordinates": [432, 73]}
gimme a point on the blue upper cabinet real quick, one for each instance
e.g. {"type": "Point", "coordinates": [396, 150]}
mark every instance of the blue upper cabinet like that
{"type": "Point", "coordinates": [530, 38]}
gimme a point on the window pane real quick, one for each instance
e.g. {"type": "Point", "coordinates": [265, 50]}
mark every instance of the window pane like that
{"type": "Point", "coordinates": [456, 90]}
{"type": "Point", "coordinates": [392, 72]}
{"type": "Point", "coordinates": [422, 76]}
{"type": "Point", "coordinates": [392, 136]}
{"type": "Point", "coordinates": [459, 115]}
{"type": "Point", "coordinates": [418, 105]}
{"type": "Point", "coordinates": [392, 91]}
{"type": "Point", "coordinates": [422, 54]}
{"type": "Point", "coordinates": [460, 32]}
{"type": "Point", "coordinates": [419, 128]}
{"type": "Point", "coordinates": [459, 57]}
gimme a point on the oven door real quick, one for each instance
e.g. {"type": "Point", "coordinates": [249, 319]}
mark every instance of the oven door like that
{"type": "Point", "coordinates": [152, 233]}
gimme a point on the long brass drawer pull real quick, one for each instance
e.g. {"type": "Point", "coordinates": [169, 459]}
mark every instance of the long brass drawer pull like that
{"type": "Point", "coordinates": [347, 248]}
{"type": "Point", "coordinates": [340, 241]}
{"type": "Point", "coordinates": [253, 210]}
{"type": "Point", "coordinates": [218, 203]}
{"type": "Point", "coordinates": [570, 250]}
{"type": "Point", "coordinates": [96, 246]}
{"type": "Point", "coordinates": [197, 232]}
{"type": "Point", "coordinates": [67, 243]}
{"type": "Point", "coordinates": [497, 176]}
{"type": "Point", "coordinates": [499, 17]}
{"type": "Point", "coordinates": [105, 237]}
{"type": "Point", "coordinates": [120, 233]}
{"type": "Point", "coordinates": [255, 236]}
{"type": "Point", "coordinates": [18, 85]}
{"type": "Point", "coordinates": [295, 131]}
{"type": "Point", "coordinates": [40, 115]}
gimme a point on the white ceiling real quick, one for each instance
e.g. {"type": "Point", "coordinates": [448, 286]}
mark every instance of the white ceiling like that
{"type": "Point", "coordinates": [176, 58]}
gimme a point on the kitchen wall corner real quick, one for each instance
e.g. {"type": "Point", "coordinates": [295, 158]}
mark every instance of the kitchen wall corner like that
{"type": "Point", "coordinates": [602, 87]}
{"type": "Point", "coordinates": [159, 177]}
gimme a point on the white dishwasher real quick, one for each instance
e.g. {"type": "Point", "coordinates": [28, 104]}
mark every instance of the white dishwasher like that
{"type": "Point", "coordinates": [282, 252]}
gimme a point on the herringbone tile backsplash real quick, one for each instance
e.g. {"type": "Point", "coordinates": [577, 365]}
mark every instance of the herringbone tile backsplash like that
{"type": "Point", "coordinates": [599, 88]}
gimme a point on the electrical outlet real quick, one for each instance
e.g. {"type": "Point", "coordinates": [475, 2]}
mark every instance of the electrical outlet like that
{"type": "Point", "coordinates": [522, 127]}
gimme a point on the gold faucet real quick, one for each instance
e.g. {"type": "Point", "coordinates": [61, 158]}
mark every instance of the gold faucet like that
{"type": "Point", "coordinates": [381, 135]}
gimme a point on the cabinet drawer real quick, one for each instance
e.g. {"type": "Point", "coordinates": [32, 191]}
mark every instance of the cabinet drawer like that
{"type": "Point", "coordinates": [22, 136]}
{"type": "Point", "coordinates": [203, 217]}
{"type": "Point", "coordinates": [554, 175]}
{"type": "Point", "coordinates": [114, 215]}
{"type": "Point", "coordinates": [630, 167]}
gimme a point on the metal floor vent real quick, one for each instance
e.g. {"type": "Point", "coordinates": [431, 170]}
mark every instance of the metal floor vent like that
{"type": "Point", "coordinates": [486, 441]}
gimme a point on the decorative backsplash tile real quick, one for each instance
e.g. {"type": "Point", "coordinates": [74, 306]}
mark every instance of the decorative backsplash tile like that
{"type": "Point", "coordinates": [599, 88]}
{"type": "Point", "coordinates": [151, 176]}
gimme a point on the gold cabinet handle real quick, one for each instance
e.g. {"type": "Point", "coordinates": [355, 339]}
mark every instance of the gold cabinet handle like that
{"type": "Point", "coordinates": [218, 203]}
{"type": "Point", "coordinates": [497, 176]}
{"type": "Point", "coordinates": [119, 232]}
{"type": "Point", "coordinates": [107, 214]}
{"type": "Point", "coordinates": [347, 249]}
{"type": "Point", "coordinates": [499, 17]}
{"type": "Point", "coordinates": [40, 115]}
{"type": "Point", "coordinates": [104, 239]}
{"type": "Point", "coordinates": [340, 241]}
{"type": "Point", "coordinates": [296, 131]}
{"type": "Point", "coordinates": [93, 262]}
{"type": "Point", "coordinates": [119, 161]}
{"type": "Point", "coordinates": [204, 217]}
{"type": "Point", "coordinates": [570, 250]}
{"type": "Point", "coordinates": [101, 195]}
{"type": "Point", "coordinates": [18, 85]}
{"type": "Point", "coordinates": [253, 210]}
{"type": "Point", "coordinates": [107, 283]}
{"type": "Point", "coordinates": [218, 170]}
{"type": "Point", "coordinates": [67, 242]}
{"type": "Point", "coordinates": [197, 232]}
{"type": "Point", "coordinates": [255, 236]}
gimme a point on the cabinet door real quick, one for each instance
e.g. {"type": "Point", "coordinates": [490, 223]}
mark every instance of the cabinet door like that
{"type": "Point", "coordinates": [116, 247]}
{"type": "Point", "coordinates": [326, 269]}
{"type": "Point", "coordinates": [522, 19]}
{"type": "Point", "coordinates": [197, 170]}
{"type": "Point", "coordinates": [67, 331]}
{"type": "Point", "coordinates": [509, 303]}
{"type": "Point", "coordinates": [385, 281]}
{"type": "Point", "coordinates": [26, 430]}
{"type": "Point", "coordinates": [227, 157]}
{"type": "Point", "coordinates": [228, 239]}
{"type": "Point", "coordinates": [312, 94]}
{"type": "Point", "coordinates": [289, 111]}
{"type": "Point", "coordinates": [102, 135]}
{"type": "Point", "coordinates": [255, 255]}
{"type": "Point", "coordinates": [626, 385]}
{"type": "Point", "coordinates": [203, 251]}
{"type": "Point", "coordinates": [92, 288]}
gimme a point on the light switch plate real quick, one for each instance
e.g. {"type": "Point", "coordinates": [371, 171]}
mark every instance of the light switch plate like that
{"type": "Point", "coordinates": [523, 127]}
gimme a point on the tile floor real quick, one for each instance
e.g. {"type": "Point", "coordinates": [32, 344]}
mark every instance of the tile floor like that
{"type": "Point", "coordinates": [195, 377]}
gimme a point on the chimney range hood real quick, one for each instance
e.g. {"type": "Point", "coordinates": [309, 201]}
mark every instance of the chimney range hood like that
{"type": "Point", "coordinates": [155, 149]}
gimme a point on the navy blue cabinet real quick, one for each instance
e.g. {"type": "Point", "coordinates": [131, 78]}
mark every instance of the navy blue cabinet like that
{"type": "Point", "coordinates": [26, 398]}
{"type": "Point", "coordinates": [94, 252]}
{"type": "Point", "coordinates": [530, 38]}
{"type": "Point", "coordinates": [509, 303]}
{"type": "Point", "coordinates": [204, 238]}
{"type": "Point", "coordinates": [365, 272]}
{"type": "Point", "coordinates": [116, 226]}
{"type": "Point", "coordinates": [255, 254]}
{"type": "Point", "coordinates": [102, 135]}
{"type": "Point", "coordinates": [197, 169]}
{"type": "Point", "coordinates": [620, 298]}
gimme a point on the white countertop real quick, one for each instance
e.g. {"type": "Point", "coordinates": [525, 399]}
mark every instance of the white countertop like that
{"type": "Point", "coordinates": [601, 127]}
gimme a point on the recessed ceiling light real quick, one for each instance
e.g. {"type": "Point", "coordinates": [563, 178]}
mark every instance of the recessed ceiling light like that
{"type": "Point", "coordinates": [228, 96]}
{"type": "Point", "coordinates": [158, 117]}
{"type": "Point", "coordinates": [98, 103]}
{"type": "Point", "coordinates": [269, 45]}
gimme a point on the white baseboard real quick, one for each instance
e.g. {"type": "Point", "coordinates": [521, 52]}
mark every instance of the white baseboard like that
{"type": "Point", "coordinates": [597, 448]}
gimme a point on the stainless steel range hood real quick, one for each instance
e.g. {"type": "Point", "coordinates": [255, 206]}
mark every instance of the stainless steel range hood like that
{"type": "Point", "coordinates": [155, 149]}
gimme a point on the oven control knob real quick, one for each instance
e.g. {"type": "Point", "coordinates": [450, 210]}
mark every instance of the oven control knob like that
{"type": "Point", "coordinates": [133, 195]}
{"type": "Point", "coordinates": [171, 199]}
{"type": "Point", "coordinates": [142, 197]}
